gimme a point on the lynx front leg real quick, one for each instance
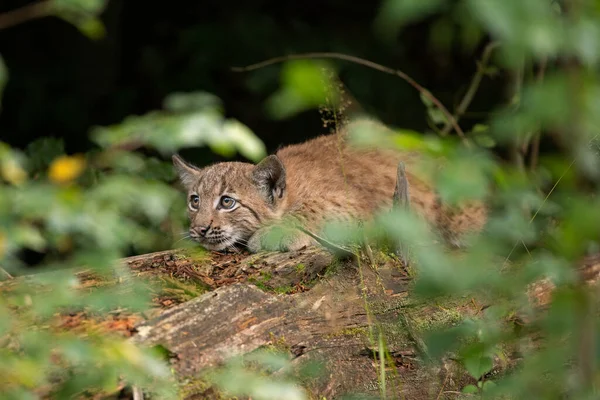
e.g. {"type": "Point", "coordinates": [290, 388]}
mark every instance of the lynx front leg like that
{"type": "Point", "coordinates": [401, 201]}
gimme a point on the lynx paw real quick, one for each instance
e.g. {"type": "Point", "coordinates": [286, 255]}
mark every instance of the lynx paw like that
{"type": "Point", "coordinates": [278, 238]}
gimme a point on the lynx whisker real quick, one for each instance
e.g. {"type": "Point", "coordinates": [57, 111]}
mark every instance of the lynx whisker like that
{"type": "Point", "coordinates": [183, 238]}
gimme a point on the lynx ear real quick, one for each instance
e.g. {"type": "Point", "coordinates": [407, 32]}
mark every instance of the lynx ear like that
{"type": "Point", "coordinates": [188, 174]}
{"type": "Point", "coordinates": [269, 177]}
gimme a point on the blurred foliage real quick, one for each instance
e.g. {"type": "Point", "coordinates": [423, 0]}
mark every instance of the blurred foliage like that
{"type": "Point", "coordinates": [544, 215]}
{"type": "Point", "coordinates": [84, 14]}
{"type": "Point", "coordinates": [249, 375]}
{"type": "Point", "coordinates": [299, 89]}
{"type": "Point", "coordinates": [88, 210]}
{"type": "Point", "coordinates": [85, 212]}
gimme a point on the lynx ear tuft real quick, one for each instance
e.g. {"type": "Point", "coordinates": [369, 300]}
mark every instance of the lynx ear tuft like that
{"type": "Point", "coordinates": [188, 174]}
{"type": "Point", "coordinates": [269, 177]}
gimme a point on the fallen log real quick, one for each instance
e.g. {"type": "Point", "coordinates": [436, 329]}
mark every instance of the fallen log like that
{"type": "Point", "coordinates": [333, 322]}
{"type": "Point", "coordinates": [263, 300]}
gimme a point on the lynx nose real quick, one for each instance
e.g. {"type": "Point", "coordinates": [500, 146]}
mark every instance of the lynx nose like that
{"type": "Point", "coordinates": [200, 230]}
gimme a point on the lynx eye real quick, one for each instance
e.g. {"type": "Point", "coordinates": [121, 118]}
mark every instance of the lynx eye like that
{"type": "Point", "coordinates": [194, 201]}
{"type": "Point", "coordinates": [227, 202]}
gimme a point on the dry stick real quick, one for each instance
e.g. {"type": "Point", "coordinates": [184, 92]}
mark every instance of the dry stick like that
{"type": "Point", "coordinates": [473, 86]}
{"type": "Point", "coordinates": [443, 385]}
{"type": "Point", "coordinates": [401, 201]}
{"type": "Point", "coordinates": [32, 11]}
{"type": "Point", "coordinates": [138, 394]}
{"type": "Point", "coordinates": [366, 63]}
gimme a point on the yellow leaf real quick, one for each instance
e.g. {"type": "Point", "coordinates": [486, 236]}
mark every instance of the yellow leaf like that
{"type": "Point", "coordinates": [65, 169]}
{"type": "Point", "coordinates": [12, 171]}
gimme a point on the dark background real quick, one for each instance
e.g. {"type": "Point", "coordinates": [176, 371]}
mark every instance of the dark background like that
{"type": "Point", "coordinates": [62, 83]}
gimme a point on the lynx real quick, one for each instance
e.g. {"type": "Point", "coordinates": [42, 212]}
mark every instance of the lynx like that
{"type": "Point", "coordinates": [236, 204]}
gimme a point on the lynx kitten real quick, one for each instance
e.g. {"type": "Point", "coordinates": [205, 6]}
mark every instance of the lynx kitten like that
{"type": "Point", "coordinates": [236, 204]}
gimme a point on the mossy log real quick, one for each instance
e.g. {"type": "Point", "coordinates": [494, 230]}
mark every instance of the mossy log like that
{"type": "Point", "coordinates": [317, 309]}
{"type": "Point", "coordinates": [295, 302]}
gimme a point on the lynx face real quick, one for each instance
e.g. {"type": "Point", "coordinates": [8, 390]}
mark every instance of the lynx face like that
{"type": "Point", "coordinates": [228, 202]}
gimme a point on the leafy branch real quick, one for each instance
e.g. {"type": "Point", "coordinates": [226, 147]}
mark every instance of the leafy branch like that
{"type": "Point", "coordinates": [367, 63]}
{"type": "Point", "coordinates": [473, 86]}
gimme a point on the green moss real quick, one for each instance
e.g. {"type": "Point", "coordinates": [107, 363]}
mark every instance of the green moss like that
{"type": "Point", "coordinates": [183, 291]}
{"type": "Point", "coordinates": [354, 332]}
{"type": "Point", "coordinates": [197, 254]}
{"type": "Point", "coordinates": [333, 268]}
{"type": "Point", "coordinates": [278, 344]}
{"type": "Point", "coordinates": [430, 317]}
{"type": "Point", "coordinates": [262, 285]}
{"type": "Point", "coordinates": [194, 386]}
{"type": "Point", "coordinates": [262, 280]}
{"type": "Point", "coordinates": [265, 276]}
{"type": "Point", "coordinates": [259, 284]}
{"type": "Point", "coordinates": [300, 268]}
{"type": "Point", "coordinates": [284, 289]}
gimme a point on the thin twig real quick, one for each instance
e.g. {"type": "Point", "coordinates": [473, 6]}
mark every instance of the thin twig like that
{"type": "Point", "coordinates": [5, 272]}
{"type": "Point", "coordinates": [443, 385]}
{"type": "Point", "coordinates": [473, 86]}
{"type": "Point", "coordinates": [540, 207]}
{"type": "Point", "coordinates": [31, 11]}
{"type": "Point", "coordinates": [366, 63]}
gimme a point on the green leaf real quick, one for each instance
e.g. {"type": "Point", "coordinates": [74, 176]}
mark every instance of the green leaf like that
{"type": "Point", "coordinates": [480, 128]}
{"type": "Point", "coordinates": [93, 28]}
{"type": "Point", "coordinates": [470, 389]}
{"type": "Point", "coordinates": [437, 116]}
{"type": "Point", "coordinates": [309, 80]}
{"type": "Point", "coordinates": [198, 123]}
{"type": "Point", "coordinates": [244, 139]}
{"type": "Point", "coordinates": [488, 385]}
{"type": "Point", "coordinates": [271, 359]}
{"type": "Point", "coordinates": [464, 177]}
{"type": "Point", "coordinates": [482, 137]}
{"type": "Point", "coordinates": [524, 26]}
{"type": "Point", "coordinates": [83, 14]}
{"type": "Point", "coordinates": [485, 141]}
{"type": "Point", "coordinates": [584, 37]}
{"type": "Point", "coordinates": [426, 100]}
{"type": "Point", "coordinates": [29, 236]}
{"type": "Point", "coordinates": [284, 104]}
{"type": "Point", "coordinates": [305, 84]}
{"type": "Point", "coordinates": [477, 365]}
